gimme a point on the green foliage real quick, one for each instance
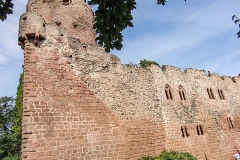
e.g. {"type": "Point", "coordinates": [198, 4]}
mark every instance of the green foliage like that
{"type": "Point", "coordinates": [144, 63]}
{"type": "Point", "coordinates": [171, 155]}
{"type": "Point", "coordinates": [6, 118]}
{"type": "Point", "coordinates": [17, 121]}
{"type": "Point", "coordinates": [111, 18]}
{"type": "Point", "coordinates": [12, 157]}
{"type": "Point", "coordinates": [6, 7]}
{"type": "Point", "coordinates": [236, 21]}
{"type": "Point", "coordinates": [10, 125]}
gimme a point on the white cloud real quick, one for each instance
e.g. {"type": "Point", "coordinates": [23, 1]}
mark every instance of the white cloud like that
{"type": "Point", "coordinates": [179, 33]}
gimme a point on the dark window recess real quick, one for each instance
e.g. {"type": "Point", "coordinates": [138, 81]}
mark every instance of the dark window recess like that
{"type": "Point", "coordinates": [210, 93]}
{"type": "Point", "coordinates": [24, 19]}
{"type": "Point", "coordinates": [184, 132]}
{"type": "Point", "coordinates": [230, 123]}
{"type": "Point", "coordinates": [220, 92]}
{"type": "Point", "coordinates": [199, 130]}
{"type": "Point", "coordinates": [66, 2]}
{"type": "Point", "coordinates": [182, 93]}
{"type": "Point", "coordinates": [206, 157]}
{"type": "Point", "coordinates": [168, 92]}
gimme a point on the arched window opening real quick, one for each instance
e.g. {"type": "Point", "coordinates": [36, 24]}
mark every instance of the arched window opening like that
{"type": "Point", "coordinates": [210, 93]}
{"type": "Point", "coordinates": [168, 92]}
{"type": "Point", "coordinates": [230, 123]}
{"type": "Point", "coordinates": [184, 131]}
{"type": "Point", "coordinates": [199, 130]}
{"type": "Point", "coordinates": [181, 93]}
{"type": "Point", "coordinates": [220, 92]}
{"type": "Point", "coordinates": [183, 135]}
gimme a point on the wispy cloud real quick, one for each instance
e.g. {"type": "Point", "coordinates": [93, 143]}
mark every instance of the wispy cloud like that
{"type": "Point", "coordinates": [179, 33]}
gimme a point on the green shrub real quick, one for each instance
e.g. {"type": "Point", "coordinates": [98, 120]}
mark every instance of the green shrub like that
{"type": "Point", "coordinates": [171, 155]}
{"type": "Point", "coordinates": [144, 63]}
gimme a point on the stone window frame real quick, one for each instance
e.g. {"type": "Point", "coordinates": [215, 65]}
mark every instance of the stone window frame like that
{"type": "Point", "coordinates": [210, 93]}
{"type": "Point", "coordinates": [221, 95]}
{"type": "Point", "coordinates": [168, 92]}
{"type": "Point", "coordinates": [199, 129]}
{"type": "Point", "coordinates": [182, 93]}
{"type": "Point", "coordinates": [230, 124]}
{"type": "Point", "coordinates": [184, 131]}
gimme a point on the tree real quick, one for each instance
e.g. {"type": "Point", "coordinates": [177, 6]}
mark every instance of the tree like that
{"type": "Point", "coordinates": [236, 21]}
{"type": "Point", "coordinates": [6, 118]}
{"type": "Point", "coordinates": [6, 7]}
{"type": "Point", "coordinates": [10, 125]}
{"type": "Point", "coordinates": [16, 130]}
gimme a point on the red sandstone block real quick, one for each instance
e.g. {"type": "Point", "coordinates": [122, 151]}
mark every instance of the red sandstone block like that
{"type": "Point", "coordinates": [41, 154]}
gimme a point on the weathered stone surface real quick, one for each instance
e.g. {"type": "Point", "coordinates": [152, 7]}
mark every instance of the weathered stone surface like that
{"type": "Point", "coordinates": [82, 103]}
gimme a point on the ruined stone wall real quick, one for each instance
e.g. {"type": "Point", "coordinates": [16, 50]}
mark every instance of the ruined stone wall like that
{"type": "Point", "coordinates": [217, 141]}
{"type": "Point", "coordinates": [65, 119]}
{"type": "Point", "coordinates": [132, 91]}
{"type": "Point", "coordinates": [82, 103]}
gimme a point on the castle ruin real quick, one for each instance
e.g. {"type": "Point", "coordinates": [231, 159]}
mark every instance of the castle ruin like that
{"type": "Point", "coordinates": [81, 103]}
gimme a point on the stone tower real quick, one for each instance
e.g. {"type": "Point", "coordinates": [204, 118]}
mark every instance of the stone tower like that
{"type": "Point", "coordinates": [80, 103]}
{"type": "Point", "coordinates": [58, 19]}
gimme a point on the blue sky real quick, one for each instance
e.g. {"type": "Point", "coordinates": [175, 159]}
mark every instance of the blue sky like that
{"type": "Point", "coordinates": [194, 34]}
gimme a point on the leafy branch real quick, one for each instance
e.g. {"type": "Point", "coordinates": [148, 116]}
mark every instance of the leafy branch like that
{"type": "Point", "coordinates": [236, 21]}
{"type": "Point", "coordinates": [6, 7]}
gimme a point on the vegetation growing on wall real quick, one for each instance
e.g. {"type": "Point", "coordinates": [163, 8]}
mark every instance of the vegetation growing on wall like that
{"type": "Point", "coordinates": [171, 155]}
{"type": "Point", "coordinates": [10, 125]}
{"type": "Point", "coordinates": [144, 63]}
